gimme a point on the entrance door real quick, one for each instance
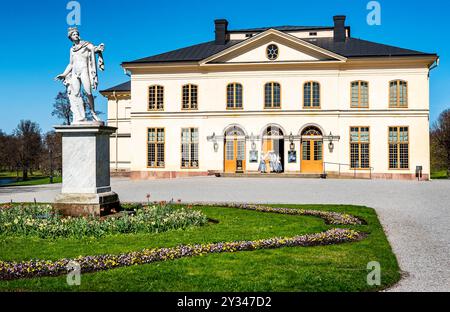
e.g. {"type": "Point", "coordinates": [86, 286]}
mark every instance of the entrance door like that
{"type": "Point", "coordinates": [312, 159]}
{"type": "Point", "coordinates": [273, 141]}
{"type": "Point", "coordinates": [311, 151]}
{"type": "Point", "coordinates": [267, 147]}
{"type": "Point", "coordinates": [234, 154]}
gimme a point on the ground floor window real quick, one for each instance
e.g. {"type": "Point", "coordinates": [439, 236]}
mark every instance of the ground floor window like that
{"type": "Point", "coordinates": [359, 148]}
{"type": "Point", "coordinates": [398, 148]}
{"type": "Point", "coordinates": [189, 148]}
{"type": "Point", "coordinates": [155, 147]}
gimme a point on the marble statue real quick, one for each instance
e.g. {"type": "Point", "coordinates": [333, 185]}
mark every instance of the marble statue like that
{"type": "Point", "coordinates": [82, 72]}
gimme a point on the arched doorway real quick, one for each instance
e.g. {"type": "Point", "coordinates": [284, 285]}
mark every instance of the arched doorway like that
{"type": "Point", "coordinates": [273, 148]}
{"type": "Point", "coordinates": [311, 150]}
{"type": "Point", "coordinates": [234, 151]}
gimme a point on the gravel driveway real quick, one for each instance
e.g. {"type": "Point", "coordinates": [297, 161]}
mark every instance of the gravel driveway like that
{"type": "Point", "coordinates": [415, 215]}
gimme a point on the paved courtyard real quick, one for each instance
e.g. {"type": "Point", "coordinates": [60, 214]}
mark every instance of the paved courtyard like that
{"type": "Point", "coordinates": [415, 215]}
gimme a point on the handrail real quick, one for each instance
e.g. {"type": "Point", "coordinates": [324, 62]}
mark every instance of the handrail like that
{"type": "Point", "coordinates": [348, 165]}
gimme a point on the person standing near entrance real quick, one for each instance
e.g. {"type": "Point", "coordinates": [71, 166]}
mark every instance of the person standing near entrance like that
{"type": "Point", "coordinates": [262, 163]}
{"type": "Point", "coordinates": [273, 161]}
{"type": "Point", "coordinates": [278, 165]}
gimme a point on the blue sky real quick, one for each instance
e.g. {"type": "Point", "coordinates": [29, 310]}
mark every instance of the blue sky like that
{"type": "Point", "coordinates": [35, 47]}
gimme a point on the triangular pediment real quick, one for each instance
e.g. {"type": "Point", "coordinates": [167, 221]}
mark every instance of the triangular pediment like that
{"type": "Point", "coordinates": [290, 50]}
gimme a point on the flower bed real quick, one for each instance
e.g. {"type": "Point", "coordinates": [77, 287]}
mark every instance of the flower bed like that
{"type": "Point", "coordinates": [45, 222]}
{"type": "Point", "coordinates": [37, 268]}
{"type": "Point", "coordinates": [330, 217]}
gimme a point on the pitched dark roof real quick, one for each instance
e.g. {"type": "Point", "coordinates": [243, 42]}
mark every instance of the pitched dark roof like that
{"type": "Point", "coordinates": [352, 47]}
{"type": "Point", "coordinates": [189, 54]}
{"type": "Point", "coordinates": [123, 87]}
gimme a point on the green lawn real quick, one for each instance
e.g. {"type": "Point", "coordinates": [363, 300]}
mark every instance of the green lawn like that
{"type": "Point", "coordinates": [323, 268]}
{"type": "Point", "coordinates": [442, 174]}
{"type": "Point", "coordinates": [36, 179]}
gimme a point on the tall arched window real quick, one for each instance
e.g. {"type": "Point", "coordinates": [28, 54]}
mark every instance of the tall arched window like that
{"type": "Point", "coordinates": [156, 97]}
{"type": "Point", "coordinates": [272, 95]}
{"type": "Point", "coordinates": [359, 94]}
{"type": "Point", "coordinates": [311, 94]}
{"type": "Point", "coordinates": [190, 97]}
{"type": "Point", "coordinates": [398, 94]}
{"type": "Point", "coordinates": [234, 96]}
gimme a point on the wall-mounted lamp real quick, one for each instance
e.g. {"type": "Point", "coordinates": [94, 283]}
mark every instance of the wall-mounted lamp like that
{"type": "Point", "coordinates": [214, 139]}
{"type": "Point", "coordinates": [331, 144]}
{"type": "Point", "coordinates": [291, 139]}
{"type": "Point", "coordinates": [252, 139]}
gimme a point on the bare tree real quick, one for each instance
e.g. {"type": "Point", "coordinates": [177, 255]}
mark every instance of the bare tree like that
{"type": "Point", "coordinates": [440, 136]}
{"type": "Point", "coordinates": [51, 160]}
{"type": "Point", "coordinates": [9, 159]}
{"type": "Point", "coordinates": [28, 134]}
{"type": "Point", "coordinates": [3, 156]}
{"type": "Point", "coordinates": [61, 107]}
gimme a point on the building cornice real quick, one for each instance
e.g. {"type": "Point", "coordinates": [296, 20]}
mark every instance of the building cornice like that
{"type": "Point", "coordinates": [351, 63]}
{"type": "Point", "coordinates": [122, 95]}
{"type": "Point", "coordinates": [286, 113]}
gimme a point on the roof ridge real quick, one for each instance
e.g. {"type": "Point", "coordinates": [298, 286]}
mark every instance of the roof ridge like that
{"type": "Point", "coordinates": [299, 27]}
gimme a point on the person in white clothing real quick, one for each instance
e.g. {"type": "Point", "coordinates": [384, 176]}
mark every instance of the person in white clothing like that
{"type": "Point", "coordinates": [272, 161]}
{"type": "Point", "coordinates": [262, 163]}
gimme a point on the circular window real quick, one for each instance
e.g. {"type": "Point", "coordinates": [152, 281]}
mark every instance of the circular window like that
{"type": "Point", "coordinates": [272, 52]}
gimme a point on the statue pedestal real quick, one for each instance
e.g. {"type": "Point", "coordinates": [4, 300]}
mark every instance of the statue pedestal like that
{"type": "Point", "coordinates": [86, 188]}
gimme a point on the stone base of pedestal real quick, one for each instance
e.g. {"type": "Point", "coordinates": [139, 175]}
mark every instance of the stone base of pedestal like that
{"type": "Point", "coordinates": [86, 188]}
{"type": "Point", "coordinates": [95, 205]}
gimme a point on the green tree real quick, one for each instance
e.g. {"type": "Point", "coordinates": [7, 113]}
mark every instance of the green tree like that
{"type": "Point", "coordinates": [440, 141]}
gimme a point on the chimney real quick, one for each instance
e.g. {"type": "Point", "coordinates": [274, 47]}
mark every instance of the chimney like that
{"type": "Point", "coordinates": [221, 31]}
{"type": "Point", "coordinates": [339, 28]}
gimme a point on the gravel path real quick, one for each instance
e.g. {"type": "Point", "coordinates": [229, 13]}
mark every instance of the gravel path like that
{"type": "Point", "coordinates": [415, 215]}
